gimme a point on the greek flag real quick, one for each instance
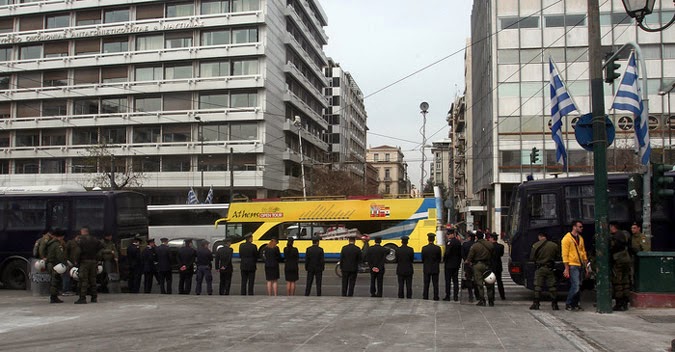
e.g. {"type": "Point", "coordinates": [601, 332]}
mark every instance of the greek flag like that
{"type": "Point", "coordinates": [209, 196]}
{"type": "Point", "coordinates": [561, 105]}
{"type": "Point", "coordinates": [628, 98]}
{"type": "Point", "coordinates": [192, 197]}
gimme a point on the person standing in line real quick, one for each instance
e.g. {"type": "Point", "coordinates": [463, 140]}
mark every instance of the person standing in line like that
{"type": "Point", "coordinates": [431, 260]}
{"type": "Point", "coordinates": [110, 259]}
{"type": "Point", "coordinates": [248, 253]}
{"type": "Point", "coordinates": [314, 265]}
{"type": "Point", "coordinates": [272, 257]}
{"type": "Point", "coordinates": [620, 261]}
{"type": "Point", "coordinates": [480, 255]}
{"type": "Point", "coordinates": [452, 259]}
{"type": "Point", "coordinates": [350, 257]}
{"type": "Point", "coordinates": [468, 269]}
{"type": "Point", "coordinates": [135, 265]}
{"type": "Point", "coordinates": [54, 255]}
{"type": "Point", "coordinates": [544, 254]}
{"type": "Point", "coordinates": [164, 266]}
{"type": "Point", "coordinates": [291, 259]}
{"type": "Point", "coordinates": [576, 264]}
{"type": "Point", "coordinates": [638, 243]}
{"type": "Point", "coordinates": [186, 260]}
{"type": "Point", "coordinates": [91, 251]}
{"type": "Point", "coordinates": [72, 252]}
{"type": "Point", "coordinates": [149, 258]}
{"type": "Point", "coordinates": [404, 268]}
{"type": "Point", "coordinates": [224, 267]}
{"type": "Point", "coordinates": [496, 265]}
{"type": "Point", "coordinates": [204, 266]}
{"type": "Point", "coordinates": [376, 257]}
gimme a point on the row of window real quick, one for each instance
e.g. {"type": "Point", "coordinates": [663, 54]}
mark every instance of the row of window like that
{"type": "Point", "coordinates": [233, 131]}
{"type": "Point", "coordinates": [577, 54]}
{"type": "Point", "coordinates": [178, 101]}
{"type": "Point", "coordinates": [138, 73]}
{"type": "Point", "coordinates": [125, 14]}
{"type": "Point", "coordinates": [168, 40]}
{"type": "Point", "coordinates": [575, 20]}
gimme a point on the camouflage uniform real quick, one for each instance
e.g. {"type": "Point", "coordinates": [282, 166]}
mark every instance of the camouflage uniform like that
{"type": "Point", "coordinates": [55, 255]}
{"type": "Point", "coordinates": [479, 255]}
{"type": "Point", "coordinates": [544, 254]}
{"type": "Point", "coordinates": [621, 269]}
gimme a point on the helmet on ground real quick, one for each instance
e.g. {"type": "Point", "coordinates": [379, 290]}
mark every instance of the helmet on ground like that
{"type": "Point", "coordinates": [60, 268]}
{"type": "Point", "coordinates": [489, 277]}
{"type": "Point", "coordinates": [40, 265]}
{"type": "Point", "coordinates": [99, 269]}
{"type": "Point", "coordinates": [74, 273]}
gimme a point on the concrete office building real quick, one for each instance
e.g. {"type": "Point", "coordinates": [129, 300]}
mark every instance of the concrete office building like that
{"type": "Point", "coordinates": [509, 99]}
{"type": "Point", "coordinates": [175, 93]}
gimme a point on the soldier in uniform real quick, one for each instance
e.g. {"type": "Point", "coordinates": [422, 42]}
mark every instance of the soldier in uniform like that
{"type": "Point", "coordinates": [110, 258]}
{"type": "Point", "coordinates": [72, 250]}
{"type": "Point", "coordinates": [91, 250]}
{"type": "Point", "coordinates": [134, 262]}
{"type": "Point", "coordinates": [224, 266]}
{"type": "Point", "coordinates": [186, 260]}
{"type": "Point", "coordinates": [404, 267]}
{"type": "Point", "coordinates": [452, 259]}
{"type": "Point", "coordinates": [376, 257]}
{"type": "Point", "coordinates": [468, 270]}
{"type": "Point", "coordinates": [204, 266]}
{"type": "Point", "coordinates": [314, 265]}
{"type": "Point", "coordinates": [55, 255]}
{"type": "Point", "coordinates": [544, 254]}
{"type": "Point", "coordinates": [148, 259]}
{"type": "Point", "coordinates": [164, 266]}
{"type": "Point", "coordinates": [619, 243]}
{"type": "Point", "coordinates": [431, 260]}
{"type": "Point", "coordinates": [350, 257]}
{"type": "Point", "coordinates": [638, 241]}
{"type": "Point", "coordinates": [479, 257]}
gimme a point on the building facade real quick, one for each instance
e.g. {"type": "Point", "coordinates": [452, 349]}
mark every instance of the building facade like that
{"type": "Point", "coordinates": [391, 168]}
{"type": "Point", "coordinates": [512, 41]}
{"type": "Point", "coordinates": [176, 94]}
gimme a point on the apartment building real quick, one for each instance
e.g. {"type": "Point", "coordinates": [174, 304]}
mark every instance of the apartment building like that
{"type": "Point", "coordinates": [391, 168]}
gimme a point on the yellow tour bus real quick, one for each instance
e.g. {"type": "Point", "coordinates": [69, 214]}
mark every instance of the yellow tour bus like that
{"type": "Point", "coordinates": [333, 222]}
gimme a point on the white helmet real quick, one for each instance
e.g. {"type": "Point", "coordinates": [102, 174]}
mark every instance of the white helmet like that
{"type": "Point", "coordinates": [74, 273]}
{"type": "Point", "coordinates": [219, 247]}
{"type": "Point", "coordinates": [99, 269]}
{"type": "Point", "coordinates": [40, 265]}
{"type": "Point", "coordinates": [60, 268]}
{"type": "Point", "coordinates": [489, 277]}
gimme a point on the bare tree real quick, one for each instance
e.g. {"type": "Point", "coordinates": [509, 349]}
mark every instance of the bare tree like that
{"type": "Point", "coordinates": [108, 171]}
{"type": "Point", "coordinates": [326, 181]}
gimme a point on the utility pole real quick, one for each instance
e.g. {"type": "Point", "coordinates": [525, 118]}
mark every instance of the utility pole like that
{"type": "Point", "coordinates": [603, 298]}
{"type": "Point", "coordinates": [231, 164]}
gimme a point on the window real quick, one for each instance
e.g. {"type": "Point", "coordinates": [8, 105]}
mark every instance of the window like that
{"type": "Point", "coordinates": [7, 25]}
{"type": "Point", "coordinates": [211, 7]}
{"type": "Point", "coordinates": [214, 69]}
{"type": "Point", "coordinates": [56, 49]}
{"type": "Point", "coordinates": [85, 76]}
{"type": "Point", "coordinates": [116, 15]}
{"type": "Point", "coordinates": [85, 107]}
{"type": "Point", "coordinates": [178, 101]}
{"type": "Point", "coordinates": [25, 166]}
{"type": "Point", "coordinates": [180, 9]}
{"type": "Point", "coordinates": [146, 164]}
{"type": "Point", "coordinates": [114, 74]}
{"type": "Point", "coordinates": [247, 35]}
{"type": "Point", "coordinates": [147, 134]}
{"type": "Point", "coordinates": [27, 138]}
{"type": "Point", "coordinates": [53, 166]}
{"type": "Point", "coordinates": [5, 54]}
{"type": "Point", "coordinates": [114, 105]}
{"type": "Point", "coordinates": [387, 174]}
{"type": "Point", "coordinates": [58, 21]}
{"type": "Point", "coordinates": [176, 163]}
{"type": "Point", "coordinates": [30, 23]}
{"type": "Point", "coordinates": [176, 133]}
{"type": "Point", "coordinates": [54, 108]}
{"type": "Point", "coordinates": [554, 21]}
{"type": "Point", "coordinates": [115, 45]}
{"type": "Point", "coordinates": [213, 101]}
{"type": "Point", "coordinates": [245, 5]}
{"type": "Point", "coordinates": [54, 137]}
{"type": "Point", "coordinates": [522, 22]}
{"type": "Point", "coordinates": [28, 109]}
{"type": "Point", "coordinates": [243, 131]}
{"type": "Point", "coordinates": [144, 12]}
{"type": "Point", "coordinates": [178, 71]}
{"type": "Point", "coordinates": [218, 37]}
{"type": "Point", "coordinates": [4, 167]}
{"type": "Point", "coordinates": [5, 113]}
{"type": "Point", "coordinates": [148, 73]}
{"type": "Point", "coordinates": [150, 42]}
{"type": "Point", "coordinates": [31, 52]}
{"type": "Point", "coordinates": [215, 132]}
{"type": "Point", "coordinates": [386, 157]}
{"type": "Point", "coordinates": [579, 203]}
{"type": "Point", "coordinates": [620, 18]}
{"type": "Point", "coordinates": [245, 67]}
{"type": "Point", "coordinates": [28, 80]}
{"type": "Point", "coordinates": [178, 40]}
{"type": "Point", "coordinates": [114, 135]}
{"type": "Point", "coordinates": [148, 104]}
{"type": "Point", "coordinates": [240, 162]}
{"type": "Point", "coordinates": [243, 100]}
{"type": "Point", "coordinates": [543, 209]}
{"type": "Point", "coordinates": [87, 46]}
{"type": "Point", "coordinates": [376, 157]}
{"type": "Point", "coordinates": [87, 18]}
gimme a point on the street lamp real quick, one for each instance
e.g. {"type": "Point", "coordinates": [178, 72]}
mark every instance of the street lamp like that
{"type": "Point", "coordinates": [424, 107]}
{"type": "Point", "coordinates": [638, 9]}
{"type": "Point", "coordinates": [297, 123]}
{"type": "Point", "coordinates": [201, 155]}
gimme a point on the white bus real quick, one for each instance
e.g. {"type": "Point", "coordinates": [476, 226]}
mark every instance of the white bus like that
{"type": "Point", "coordinates": [186, 221]}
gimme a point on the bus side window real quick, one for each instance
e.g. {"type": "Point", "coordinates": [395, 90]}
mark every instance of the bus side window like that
{"type": "Point", "coordinates": [543, 209]}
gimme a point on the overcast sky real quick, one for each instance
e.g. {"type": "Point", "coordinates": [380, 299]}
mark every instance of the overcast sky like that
{"type": "Point", "coordinates": [382, 41]}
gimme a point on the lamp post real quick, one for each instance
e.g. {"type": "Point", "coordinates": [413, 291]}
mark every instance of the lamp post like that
{"type": "Point", "coordinates": [424, 106]}
{"type": "Point", "coordinates": [297, 123]}
{"type": "Point", "coordinates": [638, 9]}
{"type": "Point", "coordinates": [200, 165]}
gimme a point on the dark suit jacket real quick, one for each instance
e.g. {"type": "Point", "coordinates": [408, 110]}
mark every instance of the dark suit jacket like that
{"type": "Point", "coordinates": [163, 258]}
{"type": "Point", "coordinates": [133, 256]}
{"type": "Point", "coordinates": [350, 257]}
{"type": "Point", "coordinates": [248, 253]}
{"type": "Point", "coordinates": [224, 259]}
{"type": "Point", "coordinates": [431, 259]}
{"type": "Point", "coordinates": [376, 256]}
{"type": "Point", "coordinates": [453, 254]}
{"type": "Point", "coordinates": [466, 246]}
{"type": "Point", "coordinates": [186, 256]}
{"type": "Point", "coordinates": [314, 259]}
{"type": "Point", "coordinates": [404, 257]}
{"type": "Point", "coordinates": [497, 254]}
{"type": "Point", "coordinates": [148, 258]}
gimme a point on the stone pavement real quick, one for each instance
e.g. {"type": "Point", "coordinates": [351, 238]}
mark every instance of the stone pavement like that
{"type": "Point", "coordinates": [152, 322]}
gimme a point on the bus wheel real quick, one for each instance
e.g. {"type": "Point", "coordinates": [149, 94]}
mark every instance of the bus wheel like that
{"type": "Point", "coordinates": [391, 256]}
{"type": "Point", "coordinates": [338, 270]}
{"type": "Point", "coordinates": [14, 275]}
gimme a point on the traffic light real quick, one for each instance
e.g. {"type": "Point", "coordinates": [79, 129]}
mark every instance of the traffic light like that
{"type": "Point", "coordinates": [534, 156]}
{"type": "Point", "coordinates": [610, 69]}
{"type": "Point", "coordinates": [660, 181]}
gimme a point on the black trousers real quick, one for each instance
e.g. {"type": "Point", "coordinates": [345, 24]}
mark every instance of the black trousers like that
{"type": "Point", "coordinates": [147, 281]}
{"type": "Point", "coordinates": [247, 282]}
{"type": "Point", "coordinates": [500, 284]}
{"type": "Point", "coordinates": [134, 281]}
{"type": "Point", "coordinates": [225, 282]}
{"type": "Point", "coordinates": [310, 278]}
{"type": "Point", "coordinates": [348, 283]}
{"type": "Point", "coordinates": [376, 283]}
{"type": "Point", "coordinates": [405, 280]}
{"type": "Point", "coordinates": [430, 278]}
{"type": "Point", "coordinates": [452, 275]}
{"type": "Point", "coordinates": [165, 281]}
{"type": "Point", "coordinates": [185, 281]}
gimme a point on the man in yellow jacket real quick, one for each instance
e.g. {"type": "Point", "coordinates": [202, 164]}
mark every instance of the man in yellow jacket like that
{"type": "Point", "coordinates": [576, 264]}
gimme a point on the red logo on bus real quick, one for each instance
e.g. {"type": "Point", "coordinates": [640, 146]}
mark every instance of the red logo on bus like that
{"type": "Point", "coordinates": [379, 211]}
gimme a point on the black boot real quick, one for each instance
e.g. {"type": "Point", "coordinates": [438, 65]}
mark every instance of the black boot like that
{"type": "Point", "coordinates": [625, 303]}
{"type": "Point", "coordinates": [491, 303]}
{"type": "Point", "coordinates": [554, 305]}
{"type": "Point", "coordinates": [82, 300]}
{"type": "Point", "coordinates": [93, 299]}
{"type": "Point", "coordinates": [535, 305]}
{"type": "Point", "coordinates": [481, 303]}
{"type": "Point", "coordinates": [446, 298]}
{"type": "Point", "coordinates": [54, 299]}
{"type": "Point", "coordinates": [618, 305]}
